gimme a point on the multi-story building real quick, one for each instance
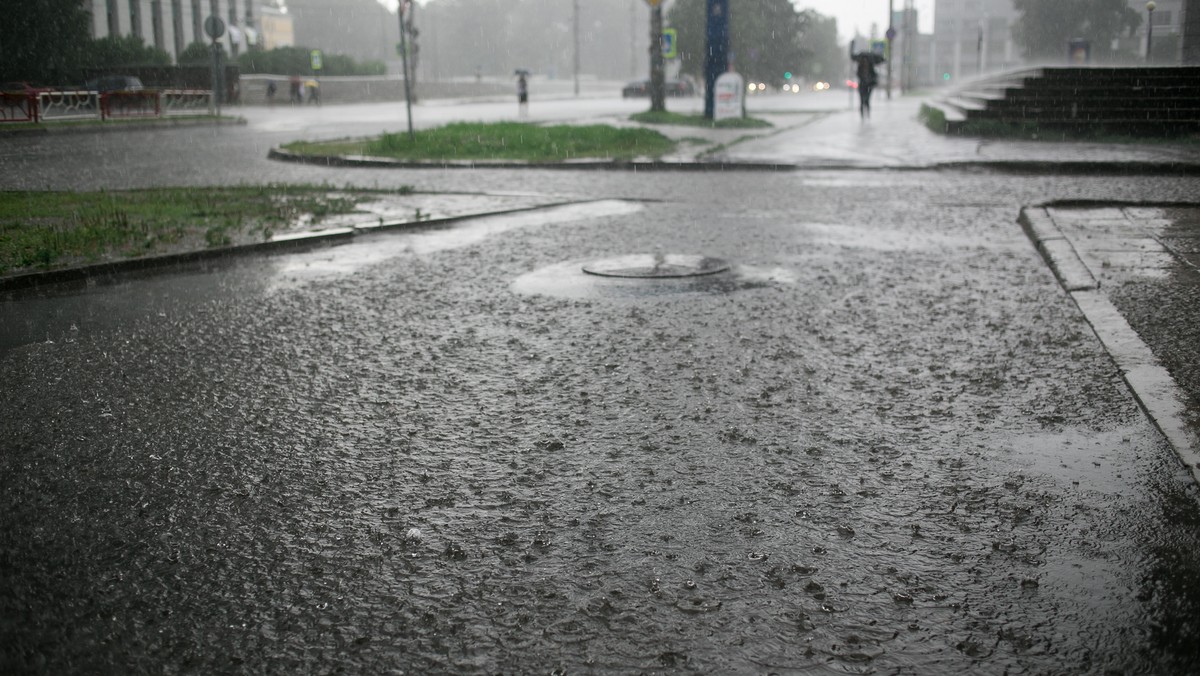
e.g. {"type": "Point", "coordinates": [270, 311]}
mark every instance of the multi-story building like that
{"type": "Point", "coordinates": [972, 37]}
{"type": "Point", "coordinates": [171, 25]}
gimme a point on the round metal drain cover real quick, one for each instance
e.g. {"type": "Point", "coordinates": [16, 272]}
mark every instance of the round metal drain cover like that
{"type": "Point", "coordinates": [656, 266]}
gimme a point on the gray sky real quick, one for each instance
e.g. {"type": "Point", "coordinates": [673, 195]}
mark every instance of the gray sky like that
{"type": "Point", "coordinates": [850, 14]}
{"type": "Point", "coordinates": [862, 13]}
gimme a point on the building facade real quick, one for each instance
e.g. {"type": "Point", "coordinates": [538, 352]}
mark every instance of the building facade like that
{"type": "Point", "coordinates": [972, 37]}
{"type": "Point", "coordinates": [172, 25]}
{"type": "Point", "coordinates": [1167, 36]}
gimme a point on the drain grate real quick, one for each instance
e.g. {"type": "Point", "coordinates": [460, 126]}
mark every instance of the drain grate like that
{"type": "Point", "coordinates": [656, 266]}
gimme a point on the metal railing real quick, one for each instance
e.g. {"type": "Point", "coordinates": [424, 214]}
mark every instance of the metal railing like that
{"type": "Point", "coordinates": [17, 107]}
{"type": "Point", "coordinates": [62, 105]}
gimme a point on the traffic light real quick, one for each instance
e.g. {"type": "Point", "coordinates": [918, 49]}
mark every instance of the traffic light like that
{"type": "Point", "coordinates": [787, 75]}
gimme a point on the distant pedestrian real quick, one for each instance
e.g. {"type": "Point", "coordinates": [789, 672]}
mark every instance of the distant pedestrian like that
{"type": "Point", "coordinates": [522, 96]}
{"type": "Point", "coordinates": [314, 91]}
{"type": "Point", "coordinates": [271, 89]}
{"type": "Point", "coordinates": [294, 94]}
{"type": "Point", "coordinates": [867, 79]}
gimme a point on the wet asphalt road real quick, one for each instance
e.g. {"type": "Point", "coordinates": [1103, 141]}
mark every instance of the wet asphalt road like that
{"type": "Point", "coordinates": [885, 442]}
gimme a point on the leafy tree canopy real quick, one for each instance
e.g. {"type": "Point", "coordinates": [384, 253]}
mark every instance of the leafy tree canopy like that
{"type": "Point", "coordinates": [200, 54]}
{"type": "Point", "coordinates": [768, 38]}
{"type": "Point", "coordinates": [296, 61]}
{"type": "Point", "coordinates": [123, 51]}
{"type": "Point", "coordinates": [42, 42]}
{"type": "Point", "coordinates": [1045, 26]}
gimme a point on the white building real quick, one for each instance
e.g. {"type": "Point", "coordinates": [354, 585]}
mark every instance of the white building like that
{"type": "Point", "coordinates": [171, 25]}
{"type": "Point", "coordinates": [1167, 37]}
{"type": "Point", "coordinates": [973, 37]}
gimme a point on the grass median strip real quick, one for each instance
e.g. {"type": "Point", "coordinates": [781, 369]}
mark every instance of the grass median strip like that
{"type": "Point", "coordinates": [509, 141]}
{"type": "Point", "coordinates": [44, 230]}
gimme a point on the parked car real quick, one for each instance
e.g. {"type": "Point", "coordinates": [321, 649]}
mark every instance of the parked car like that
{"type": "Point", "coordinates": [640, 88]}
{"type": "Point", "coordinates": [114, 83]}
{"type": "Point", "coordinates": [21, 88]}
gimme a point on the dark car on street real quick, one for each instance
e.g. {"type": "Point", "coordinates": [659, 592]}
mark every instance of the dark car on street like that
{"type": "Point", "coordinates": [640, 88]}
{"type": "Point", "coordinates": [114, 83]}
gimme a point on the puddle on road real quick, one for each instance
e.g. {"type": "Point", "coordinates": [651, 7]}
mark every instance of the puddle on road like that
{"type": "Point", "coordinates": [373, 249]}
{"type": "Point", "coordinates": [884, 239]}
{"type": "Point", "coordinates": [68, 312]}
{"type": "Point", "coordinates": [1103, 462]}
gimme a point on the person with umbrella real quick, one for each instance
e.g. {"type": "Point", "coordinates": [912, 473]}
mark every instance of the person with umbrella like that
{"type": "Point", "coordinates": [865, 63]}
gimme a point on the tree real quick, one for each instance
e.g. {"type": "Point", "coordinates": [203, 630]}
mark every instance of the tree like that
{"type": "Point", "coordinates": [1045, 26]}
{"type": "Point", "coordinates": [297, 61]}
{"type": "Point", "coordinates": [200, 54]}
{"type": "Point", "coordinates": [122, 51]}
{"type": "Point", "coordinates": [768, 39]}
{"type": "Point", "coordinates": [42, 41]}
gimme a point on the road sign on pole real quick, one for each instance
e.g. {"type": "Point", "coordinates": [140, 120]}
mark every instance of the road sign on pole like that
{"type": "Point", "coordinates": [670, 43]}
{"type": "Point", "coordinates": [314, 58]}
{"type": "Point", "coordinates": [716, 48]}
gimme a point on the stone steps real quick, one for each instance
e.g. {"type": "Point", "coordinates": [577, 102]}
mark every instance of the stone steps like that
{"type": "Point", "coordinates": [1145, 101]}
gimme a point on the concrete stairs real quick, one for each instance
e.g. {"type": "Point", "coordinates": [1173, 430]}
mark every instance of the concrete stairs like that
{"type": "Point", "coordinates": [1076, 101]}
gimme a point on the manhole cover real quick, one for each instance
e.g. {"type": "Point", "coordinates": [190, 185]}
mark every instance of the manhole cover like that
{"type": "Point", "coordinates": [651, 266]}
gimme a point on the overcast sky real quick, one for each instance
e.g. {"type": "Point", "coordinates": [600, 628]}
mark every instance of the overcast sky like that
{"type": "Point", "coordinates": [851, 14]}
{"type": "Point", "coordinates": [862, 13]}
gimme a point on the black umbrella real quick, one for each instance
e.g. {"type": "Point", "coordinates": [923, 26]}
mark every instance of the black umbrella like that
{"type": "Point", "coordinates": [875, 59]}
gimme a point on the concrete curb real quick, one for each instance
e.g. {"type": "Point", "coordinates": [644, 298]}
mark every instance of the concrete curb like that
{"type": "Point", "coordinates": [284, 242]}
{"type": "Point", "coordinates": [108, 128]}
{"type": "Point", "coordinates": [588, 165]}
{"type": "Point", "coordinates": [1152, 386]}
{"type": "Point", "coordinates": [1023, 167]}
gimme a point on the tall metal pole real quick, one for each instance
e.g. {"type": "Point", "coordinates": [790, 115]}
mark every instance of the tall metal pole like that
{"type": "Point", "coordinates": [576, 48]}
{"type": "Point", "coordinates": [633, 60]}
{"type": "Point", "coordinates": [404, 63]}
{"type": "Point", "coordinates": [891, 33]}
{"type": "Point", "coordinates": [658, 96]}
{"type": "Point", "coordinates": [716, 50]}
{"type": "Point", "coordinates": [1150, 6]}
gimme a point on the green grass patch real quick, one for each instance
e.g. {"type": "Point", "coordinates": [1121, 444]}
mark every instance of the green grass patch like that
{"type": "Point", "coordinates": [40, 230]}
{"type": "Point", "coordinates": [933, 118]}
{"type": "Point", "coordinates": [506, 141]}
{"type": "Point", "coordinates": [679, 119]}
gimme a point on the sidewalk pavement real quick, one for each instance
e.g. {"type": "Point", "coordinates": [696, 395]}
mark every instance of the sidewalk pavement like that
{"type": "Point", "coordinates": [894, 138]}
{"type": "Point", "coordinates": [1133, 272]}
{"type": "Point", "coordinates": [1131, 269]}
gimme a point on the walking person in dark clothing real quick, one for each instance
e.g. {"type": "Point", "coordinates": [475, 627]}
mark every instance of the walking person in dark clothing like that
{"type": "Point", "coordinates": [522, 95]}
{"type": "Point", "coordinates": [867, 79]}
{"type": "Point", "coordinates": [294, 94]}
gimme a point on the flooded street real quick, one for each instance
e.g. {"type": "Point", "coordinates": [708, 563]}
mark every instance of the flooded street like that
{"type": "Point", "coordinates": [883, 441]}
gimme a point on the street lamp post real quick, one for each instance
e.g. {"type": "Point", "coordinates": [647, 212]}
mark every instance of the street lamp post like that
{"type": "Point", "coordinates": [1150, 6]}
{"type": "Point", "coordinates": [576, 17]}
{"type": "Point", "coordinates": [891, 34]}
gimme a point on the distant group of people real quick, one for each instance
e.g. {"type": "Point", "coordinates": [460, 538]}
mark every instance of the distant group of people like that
{"type": "Point", "coordinates": [298, 90]}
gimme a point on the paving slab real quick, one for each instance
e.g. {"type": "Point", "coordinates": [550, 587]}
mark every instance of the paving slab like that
{"type": "Point", "coordinates": [1144, 305]}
